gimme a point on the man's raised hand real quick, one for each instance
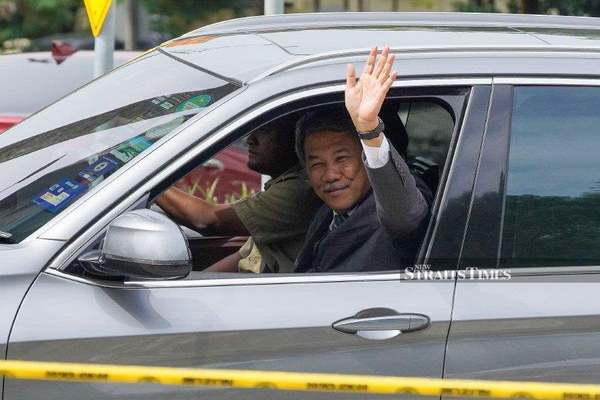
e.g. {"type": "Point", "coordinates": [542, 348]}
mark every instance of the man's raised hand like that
{"type": "Point", "coordinates": [364, 97]}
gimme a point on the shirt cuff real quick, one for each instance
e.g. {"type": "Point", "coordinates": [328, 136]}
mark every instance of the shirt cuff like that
{"type": "Point", "coordinates": [377, 157]}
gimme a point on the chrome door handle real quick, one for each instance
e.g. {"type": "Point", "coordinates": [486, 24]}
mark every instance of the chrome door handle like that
{"type": "Point", "coordinates": [381, 323]}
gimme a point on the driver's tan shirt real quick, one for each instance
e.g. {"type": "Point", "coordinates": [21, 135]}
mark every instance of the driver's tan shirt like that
{"type": "Point", "coordinates": [278, 218]}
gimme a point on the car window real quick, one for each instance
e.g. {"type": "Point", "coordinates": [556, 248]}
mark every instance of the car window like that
{"type": "Point", "coordinates": [53, 158]}
{"type": "Point", "coordinates": [278, 222]}
{"type": "Point", "coordinates": [420, 129]}
{"type": "Point", "coordinates": [552, 202]}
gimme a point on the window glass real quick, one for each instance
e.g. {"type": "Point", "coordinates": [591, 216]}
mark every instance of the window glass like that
{"type": "Point", "coordinates": [552, 205]}
{"type": "Point", "coordinates": [421, 131]}
{"type": "Point", "coordinates": [53, 158]}
{"type": "Point", "coordinates": [429, 127]}
{"type": "Point", "coordinates": [224, 178]}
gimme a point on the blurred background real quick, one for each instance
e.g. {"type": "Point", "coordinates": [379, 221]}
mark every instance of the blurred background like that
{"type": "Point", "coordinates": [32, 25]}
{"type": "Point", "coordinates": [46, 52]}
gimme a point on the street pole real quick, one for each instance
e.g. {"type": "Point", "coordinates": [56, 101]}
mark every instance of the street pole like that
{"type": "Point", "coordinates": [131, 24]}
{"type": "Point", "coordinates": [104, 44]}
{"type": "Point", "coordinates": [274, 7]}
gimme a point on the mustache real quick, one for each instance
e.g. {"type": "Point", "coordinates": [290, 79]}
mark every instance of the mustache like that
{"type": "Point", "coordinates": [330, 187]}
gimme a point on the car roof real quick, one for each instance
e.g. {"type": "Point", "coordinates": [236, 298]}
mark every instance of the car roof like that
{"type": "Point", "coordinates": [363, 19]}
{"type": "Point", "coordinates": [249, 48]}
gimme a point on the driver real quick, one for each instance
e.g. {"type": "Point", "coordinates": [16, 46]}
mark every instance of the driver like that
{"type": "Point", "coordinates": [276, 218]}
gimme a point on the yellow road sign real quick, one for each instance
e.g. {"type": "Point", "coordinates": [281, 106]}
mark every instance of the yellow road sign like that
{"type": "Point", "coordinates": [97, 10]}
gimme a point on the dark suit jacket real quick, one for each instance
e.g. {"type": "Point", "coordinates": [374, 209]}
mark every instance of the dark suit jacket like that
{"type": "Point", "coordinates": [382, 233]}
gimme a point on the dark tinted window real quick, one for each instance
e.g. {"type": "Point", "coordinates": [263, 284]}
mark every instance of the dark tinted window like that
{"type": "Point", "coordinates": [429, 127]}
{"type": "Point", "coordinates": [420, 129]}
{"type": "Point", "coordinates": [552, 206]}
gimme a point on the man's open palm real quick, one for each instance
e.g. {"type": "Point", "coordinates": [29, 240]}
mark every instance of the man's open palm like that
{"type": "Point", "coordinates": [364, 97]}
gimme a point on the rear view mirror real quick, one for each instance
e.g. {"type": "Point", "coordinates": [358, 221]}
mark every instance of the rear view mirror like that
{"type": "Point", "coordinates": [140, 244]}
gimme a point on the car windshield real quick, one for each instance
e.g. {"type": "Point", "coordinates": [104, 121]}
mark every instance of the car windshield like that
{"type": "Point", "coordinates": [53, 158]}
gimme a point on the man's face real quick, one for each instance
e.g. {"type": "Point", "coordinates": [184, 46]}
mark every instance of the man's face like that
{"type": "Point", "coordinates": [335, 169]}
{"type": "Point", "coordinates": [266, 149]}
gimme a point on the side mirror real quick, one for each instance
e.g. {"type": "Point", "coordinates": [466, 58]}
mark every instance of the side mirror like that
{"type": "Point", "coordinates": [140, 244]}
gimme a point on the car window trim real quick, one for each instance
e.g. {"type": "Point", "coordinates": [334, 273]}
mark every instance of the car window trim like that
{"type": "Point", "coordinates": [239, 280]}
{"type": "Point", "coordinates": [451, 156]}
{"type": "Point", "coordinates": [560, 270]}
{"type": "Point", "coordinates": [485, 210]}
{"type": "Point", "coordinates": [434, 50]}
{"type": "Point", "coordinates": [547, 81]}
{"type": "Point", "coordinates": [233, 81]}
{"type": "Point", "coordinates": [256, 280]}
{"type": "Point", "coordinates": [72, 249]}
{"type": "Point", "coordinates": [467, 132]}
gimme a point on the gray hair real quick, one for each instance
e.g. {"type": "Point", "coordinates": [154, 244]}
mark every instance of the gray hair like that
{"type": "Point", "coordinates": [334, 119]}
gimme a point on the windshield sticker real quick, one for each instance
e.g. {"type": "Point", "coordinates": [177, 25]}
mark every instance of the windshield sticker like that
{"type": "Point", "coordinates": [131, 148]}
{"type": "Point", "coordinates": [163, 102]}
{"type": "Point", "coordinates": [200, 101]}
{"type": "Point", "coordinates": [161, 130]}
{"type": "Point", "coordinates": [59, 195]}
{"type": "Point", "coordinates": [101, 168]}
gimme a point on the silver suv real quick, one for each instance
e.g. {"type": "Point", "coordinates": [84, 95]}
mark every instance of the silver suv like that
{"type": "Point", "coordinates": [502, 115]}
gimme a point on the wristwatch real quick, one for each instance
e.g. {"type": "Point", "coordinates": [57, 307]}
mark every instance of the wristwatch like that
{"type": "Point", "coordinates": [374, 133]}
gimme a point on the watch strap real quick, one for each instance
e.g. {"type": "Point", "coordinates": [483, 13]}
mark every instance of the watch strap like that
{"type": "Point", "coordinates": [374, 133]}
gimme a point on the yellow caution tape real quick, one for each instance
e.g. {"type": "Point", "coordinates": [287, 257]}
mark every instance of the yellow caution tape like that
{"type": "Point", "coordinates": [296, 381]}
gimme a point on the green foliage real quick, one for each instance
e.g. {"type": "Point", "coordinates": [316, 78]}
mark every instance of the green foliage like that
{"type": "Point", "coordinates": [208, 192]}
{"type": "Point", "coordinates": [562, 7]}
{"type": "Point", "coordinates": [243, 194]}
{"type": "Point", "coordinates": [178, 17]}
{"type": "Point", "coordinates": [191, 189]}
{"type": "Point", "coordinates": [572, 7]}
{"type": "Point", "coordinates": [476, 6]}
{"type": "Point", "coordinates": [36, 18]}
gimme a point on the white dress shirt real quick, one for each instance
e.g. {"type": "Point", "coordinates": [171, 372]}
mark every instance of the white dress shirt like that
{"type": "Point", "coordinates": [377, 157]}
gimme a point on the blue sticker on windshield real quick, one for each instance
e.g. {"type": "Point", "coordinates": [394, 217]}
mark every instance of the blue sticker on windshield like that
{"type": "Point", "coordinates": [101, 168]}
{"type": "Point", "coordinates": [59, 195]}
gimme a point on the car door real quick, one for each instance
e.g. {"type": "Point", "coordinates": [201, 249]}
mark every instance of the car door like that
{"type": "Point", "coordinates": [262, 322]}
{"type": "Point", "coordinates": [534, 314]}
